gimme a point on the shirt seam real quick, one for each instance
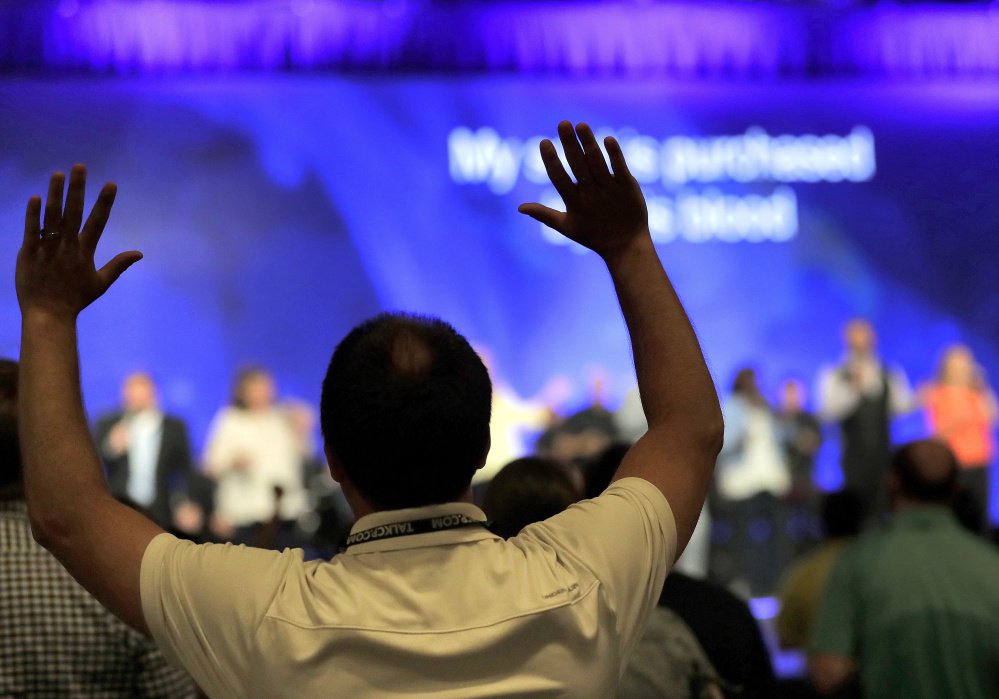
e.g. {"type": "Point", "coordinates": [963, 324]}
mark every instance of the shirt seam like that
{"type": "Point", "coordinates": [354, 627]}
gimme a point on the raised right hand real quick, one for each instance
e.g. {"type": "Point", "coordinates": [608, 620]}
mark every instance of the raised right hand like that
{"type": "Point", "coordinates": [605, 211]}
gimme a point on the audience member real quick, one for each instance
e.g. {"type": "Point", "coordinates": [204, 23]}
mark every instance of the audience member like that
{"type": "Point", "coordinates": [861, 394]}
{"type": "Point", "coordinates": [801, 433]}
{"type": "Point", "coordinates": [752, 476]}
{"type": "Point", "coordinates": [148, 456]}
{"type": "Point", "coordinates": [424, 600]}
{"type": "Point", "coordinates": [721, 622]}
{"type": "Point", "coordinates": [55, 639]}
{"type": "Point", "coordinates": [913, 610]}
{"type": "Point", "coordinates": [252, 448]}
{"type": "Point", "coordinates": [525, 491]}
{"type": "Point", "coordinates": [800, 590]}
{"type": "Point", "coordinates": [961, 410]}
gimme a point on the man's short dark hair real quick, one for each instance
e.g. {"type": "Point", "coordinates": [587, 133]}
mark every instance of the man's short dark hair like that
{"type": "Point", "coordinates": [842, 514]}
{"type": "Point", "coordinates": [405, 410]}
{"type": "Point", "coordinates": [526, 491]}
{"type": "Point", "coordinates": [927, 471]}
{"type": "Point", "coordinates": [10, 445]}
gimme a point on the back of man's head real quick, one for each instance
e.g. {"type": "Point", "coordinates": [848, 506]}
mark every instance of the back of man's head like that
{"type": "Point", "coordinates": [525, 491]}
{"type": "Point", "coordinates": [842, 514]}
{"type": "Point", "coordinates": [10, 448]}
{"type": "Point", "coordinates": [925, 471]}
{"type": "Point", "coordinates": [405, 411]}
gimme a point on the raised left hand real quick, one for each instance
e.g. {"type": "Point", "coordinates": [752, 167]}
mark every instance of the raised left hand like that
{"type": "Point", "coordinates": [56, 274]}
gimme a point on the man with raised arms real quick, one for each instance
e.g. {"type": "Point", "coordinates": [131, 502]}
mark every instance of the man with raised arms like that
{"type": "Point", "coordinates": [420, 609]}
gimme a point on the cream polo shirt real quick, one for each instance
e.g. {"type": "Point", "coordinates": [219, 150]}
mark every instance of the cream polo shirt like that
{"type": "Point", "coordinates": [463, 613]}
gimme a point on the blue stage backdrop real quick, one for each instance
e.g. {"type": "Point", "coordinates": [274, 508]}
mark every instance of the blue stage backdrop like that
{"type": "Point", "coordinates": [276, 212]}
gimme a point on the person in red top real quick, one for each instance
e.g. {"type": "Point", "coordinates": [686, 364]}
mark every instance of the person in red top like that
{"type": "Point", "coordinates": [961, 410]}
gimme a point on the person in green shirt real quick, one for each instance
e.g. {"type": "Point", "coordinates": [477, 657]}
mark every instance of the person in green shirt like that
{"type": "Point", "coordinates": [913, 610]}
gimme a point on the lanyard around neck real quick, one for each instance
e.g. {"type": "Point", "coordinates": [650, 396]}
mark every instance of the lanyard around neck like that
{"type": "Point", "coordinates": [394, 530]}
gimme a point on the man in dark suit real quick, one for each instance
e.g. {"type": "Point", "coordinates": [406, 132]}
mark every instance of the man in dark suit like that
{"type": "Point", "coordinates": [147, 456]}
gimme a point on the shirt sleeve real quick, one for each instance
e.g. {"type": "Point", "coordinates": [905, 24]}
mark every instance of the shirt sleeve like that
{"type": "Point", "coordinates": [900, 398]}
{"type": "Point", "coordinates": [626, 538]}
{"type": "Point", "coordinates": [837, 628]}
{"type": "Point", "coordinates": [203, 604]}
{"type": "Point", "coordinates": [837, 396]}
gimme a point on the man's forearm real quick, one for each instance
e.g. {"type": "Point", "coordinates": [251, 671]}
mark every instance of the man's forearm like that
{"type": "Point", "coordinates": [673, 379]}
{"type": "Point", "coordinates": [62, 472]}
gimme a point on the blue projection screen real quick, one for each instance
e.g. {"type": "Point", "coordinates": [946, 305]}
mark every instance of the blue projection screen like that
{"type": "Point", "coordinates": [276, 212]}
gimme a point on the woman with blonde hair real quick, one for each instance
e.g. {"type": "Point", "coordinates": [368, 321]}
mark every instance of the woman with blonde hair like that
{"type": "Point", "coordinates": [961, 411]}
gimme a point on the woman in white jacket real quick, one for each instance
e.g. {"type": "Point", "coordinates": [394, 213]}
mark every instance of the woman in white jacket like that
{"type": "Point", "coordinates": [254, 455]}
{"type": "Point", "coordinates": [751, 478]}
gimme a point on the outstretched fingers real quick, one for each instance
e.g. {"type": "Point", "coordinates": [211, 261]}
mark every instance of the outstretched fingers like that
{"type": "Point", "coordinates": [53, 203]}
{"type": "Point", "coordinates": [594, 157]}
{"type": "Point", "coordinates": [556, 172]}
{"type": "Point", "coordinates": [32, 222]}
{"type": "Point", "coordinates": [73, 215]}
{"type": "Point", "coordinates": [616, 156]}
{"type": "Point", "coordinates": [550, 217]}
{"type": "Point", "coordinates": [573, 152]}
{"type": "Point", "coordinates": [98, 218]}
{"type": "Point", "coordinates": [110, 272]}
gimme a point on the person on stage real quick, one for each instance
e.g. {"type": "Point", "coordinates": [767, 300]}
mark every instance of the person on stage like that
{"type": "Point", "coordinates": [751, 479]}
{"type": "Point", "coordinates": [147, 455]}
{"type": "Point", "coordinates": [961, 410]}
{"type": "Point", "coordinates": [862, 394]}
{"type": "Point", "coordinates": [256, 458]}
{"type": "Point", "coordinates": [801, 434]}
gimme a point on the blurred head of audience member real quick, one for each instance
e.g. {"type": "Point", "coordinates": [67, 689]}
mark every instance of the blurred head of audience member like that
{"type": "Point", "coordinates": [138, 393]}
{"type": "Point", "coordinates": [859, 338]}
{"type": "Point", "coordinates": [525, 491]}
{"type": "Point", "coordinates": [601, 470]}
{"type": "Point", "coordinates": [405, 413]}
{"type": "Point", "coordinates": [55, 639]}
{"type": "Point", "coordinates": [842, 514]}
{"type": "Point", "coordinates": [922, 473]}
{"type": "Point", "coordinates": [253, 389]}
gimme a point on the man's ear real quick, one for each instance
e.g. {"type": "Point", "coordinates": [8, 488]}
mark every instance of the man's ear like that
{"type": "Point", "coordinates": [485, 454]}
{"type": "Point", "coordinates": [336, 470]}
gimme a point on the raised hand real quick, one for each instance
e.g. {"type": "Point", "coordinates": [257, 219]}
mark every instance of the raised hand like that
{"type": "Point", "coordinates": [55, 267]}
{"type": "Point", "coordinates": [605, 211]}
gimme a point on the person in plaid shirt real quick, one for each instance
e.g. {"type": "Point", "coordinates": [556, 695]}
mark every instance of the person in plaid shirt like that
{"type": "Point", "coordinates": [56, 640]}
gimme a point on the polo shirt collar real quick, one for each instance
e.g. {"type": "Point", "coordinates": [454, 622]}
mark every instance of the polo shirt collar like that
{"type": "Point", "coordinates": [444, 537]}
{"type": "Point", "coordinates": [924, 517]}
